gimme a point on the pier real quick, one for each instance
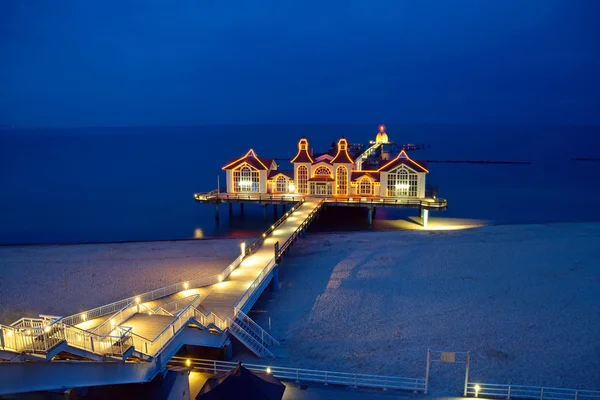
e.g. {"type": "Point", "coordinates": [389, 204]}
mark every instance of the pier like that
{"type": "Point", "coordinates": [347, 175]}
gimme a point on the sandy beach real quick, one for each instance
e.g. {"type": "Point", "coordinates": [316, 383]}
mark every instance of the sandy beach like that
{"type": "Point", "coordinates": [523, 299]}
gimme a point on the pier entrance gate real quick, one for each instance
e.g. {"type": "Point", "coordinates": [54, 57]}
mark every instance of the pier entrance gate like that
{"type": "Point", "coordinates": [448, 368]}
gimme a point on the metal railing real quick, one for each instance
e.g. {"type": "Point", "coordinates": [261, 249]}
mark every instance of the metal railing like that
{"type": "Point", "coordinates": [150, 296]}
{"type": "Point", "coordinates": [252, 289]}
{"type": "Point", "coordinates": [529, 392]}
{"type": "Point", "coordinates": [258, 242]}
{"type": "Point", "coordinates": [213, 194]}
{"type": "Point", "coordinates": [244, 336]}
{"type": "Point", "coordinates": [425, 203]}
{"type": "Point", "coordinates": [308, 375]}
{"type": "Point", "coordinates": [265, 338]}
{"type": "Point", "coordinates": [300, 228]}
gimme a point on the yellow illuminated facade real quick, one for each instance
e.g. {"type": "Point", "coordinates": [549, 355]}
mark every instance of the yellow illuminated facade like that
{"type": "Point", "coordinates": [328, 175]}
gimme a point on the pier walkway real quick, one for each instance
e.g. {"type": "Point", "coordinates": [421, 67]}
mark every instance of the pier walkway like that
{"type": "Point", "coordinates": [133, 339]}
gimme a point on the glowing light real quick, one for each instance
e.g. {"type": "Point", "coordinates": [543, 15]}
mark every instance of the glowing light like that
{"type": "Point", "coordinates": [28, 332]}
{"type": "Point", "coordinates": [220, 278]}
{"type": "Point", "coordinates": [9, 333]}
{"type": "Point", "coordinates": [264, 235]}
{"type": "Point", "coordinates": [188, 362]}
{"type": "Point", "coordinates": [112, 323]}
{"type": "Point", "coordinates": [198, 233]}
{"type": "Point", "coordinates": [268, 370]}
{"type": "Point", "coordinates": [137, 300]}
{"type": "Point", "coordinates": [291, 187]}
{"type": "Point", "coordinates": [402, 186]}
{"type": "Point", "coordinates": [47, 329]}
{"type": "Point", "coordinates": [243, 248]}
{"type": "Point", "coordinates": [245, 183]}
{"type": "Point", "coordinates": [272, 226]}
{"type": "Point", "coordinates": [381, 128]}
{"type": "Point", "coordinates": [186, 285]}
{"type": "Point", "coordinates": [79, 338]}
{"type": "Point", "coordinates": [477, 389]}
{"type": "Point", "coordinates": [84, 316]}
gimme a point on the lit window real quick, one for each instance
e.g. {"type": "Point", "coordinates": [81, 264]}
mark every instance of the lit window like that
{"type": "Point", "coordinates": [323, 171]}
{"type": "Point", "coordinates": [246, 180]}
{"type": "Point", "coordinates": [302, 179]}
{"type": "Point", "coordinates": [281, 184]}
{"type": "Point", "coordinates": [365, 187]}
{"type": "Point", "coordinates": [341, 179]}
{"type": "Point", "coordinates": [402, 183]}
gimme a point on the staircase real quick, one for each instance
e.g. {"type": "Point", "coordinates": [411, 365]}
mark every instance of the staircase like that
{"type": "Point", "coordinates": [244, 329]}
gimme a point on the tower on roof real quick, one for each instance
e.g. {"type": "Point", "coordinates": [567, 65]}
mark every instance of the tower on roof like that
{"type": "Point", "coordinates": [382, 137]}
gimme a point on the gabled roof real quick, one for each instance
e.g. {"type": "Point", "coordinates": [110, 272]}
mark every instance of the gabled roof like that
{"type": "Point", "coordinates": [326, 157]}
{"type": "Point", "coordinates": [342, 156]}
{"type": "Point", "coordinates": [356, 175]}
{"type": "Point", "coordinates": [403, 159]}
{"type": "Point", "coordinates": [285, 172]}
{"type": "Point", "coordinates": [302, 156]}
{"type": "Point", "coordinates": [251, 159]}
{"type": "Point", "coordinates": [324, 162]}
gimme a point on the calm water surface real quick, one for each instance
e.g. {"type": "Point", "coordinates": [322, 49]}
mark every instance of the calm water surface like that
{"type": "Point", "coordinates": [117, 184]}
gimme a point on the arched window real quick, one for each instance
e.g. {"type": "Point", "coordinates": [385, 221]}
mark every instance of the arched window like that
{"type": "Point", "coordinates": [281, 184]}
{"type": "Point", "coordinates": [402, 182]}
{"type": "Point", "coordinates": [323, 171]}
{"type": "Point", "coordinates": [365, 186]}
{"type": "Point", "coordinates": [341, 178]}
{"type": "Point", "coordinates": [302, 179]}
{"type": "Point", "coordinates": [246, 180]}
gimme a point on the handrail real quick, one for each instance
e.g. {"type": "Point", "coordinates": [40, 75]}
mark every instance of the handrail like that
{"type": "Point", "coordinates": [529, 392]}
{"type": "Point", "coordinates": [300, 228]}
{"type": "Point", "coordinates": [111, 320]}
{"type": "Point", "coordinates": [358, 199]}
{"type": "Point", "coordinates": [258, 330]}
{"type": "Point", "coordinates": [258, 242]}
{"type": "Point", "coordinates": [308, 375]}
{"type": "Point", "coordinates": [255, 284]}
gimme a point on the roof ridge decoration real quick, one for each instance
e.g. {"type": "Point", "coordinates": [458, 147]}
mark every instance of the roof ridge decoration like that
{"type": "Point", "coordinates": [342, 156]}
{"type": "Point", "coordinates": [302, 156]}
{"type": "Point", "coordinates": [402, 156]}
{"type": "Point", "coordinates": [251, 153]}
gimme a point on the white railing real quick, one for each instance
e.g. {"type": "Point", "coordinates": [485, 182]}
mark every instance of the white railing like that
{"type": "Point", "coordinates": [359, 160]}
{"type": "Point", "coordinates": [425, 203]}
{"type": "Point", "coordinates": [150, 296]}
{"type": "Point", "coordinates": [265, 338]}
{"type": "Point", "coordinates": [116, 319]}
{"type": "Point", "coordinates": [249, 294]}
{"type": "Point", "coordinates": [529, 392]}
{"type": "Point", "coordinates": [290, 197]}
{"type": "Point", "coordinates": [248, 340]}
{"type": "Point", "coordinates": [308, 375]}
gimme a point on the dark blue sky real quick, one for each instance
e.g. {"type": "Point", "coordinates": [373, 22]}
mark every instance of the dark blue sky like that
{"type": "Point", "coordinates": [124, 62]}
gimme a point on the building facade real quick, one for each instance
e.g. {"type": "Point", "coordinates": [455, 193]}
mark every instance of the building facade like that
{"type": "Point", "coordinates": [328, 175]}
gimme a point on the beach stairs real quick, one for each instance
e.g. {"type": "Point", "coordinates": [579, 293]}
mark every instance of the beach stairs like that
{"type": "Point", "coordinates": [251, 335]}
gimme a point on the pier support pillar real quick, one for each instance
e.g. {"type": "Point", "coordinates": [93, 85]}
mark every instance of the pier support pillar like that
{"type": "Point", "coordinates": [230, 209]}
{"type": "Point", "coordinates": [370, 215]}
{"type": "Point", "coordinates": [424, 217]}
{"type": "Point", "coordinates": [217, 211]}
{"type": "Point", "coordinates": [275, 279]}
{"type": "Point", "coordinates": [265, 210]}
{"type": "Point", "coordinates": [242, 209]}
{"type": "Point", "coordinates": [374, 212]}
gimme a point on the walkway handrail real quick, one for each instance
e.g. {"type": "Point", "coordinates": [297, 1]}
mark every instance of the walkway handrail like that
{"type": "Point", "coordinates": [258, 330]}
{"type": "Point", "coordinates": [358, 199]}
{"type": "Point", "coordinates": [300, 228]}
{"type": "Point", "coordinates": [258, 242]}
{"type": "Point", "coordinates": [115, 319]}
{"type": "Point", "coordinates": [150, 296]}
{"type": "Point", "coordinates": [529, 392]}
{"type": "Point", "coordinates": [255, 284]}
{"type": "Point", "coordinates": [309, 375]}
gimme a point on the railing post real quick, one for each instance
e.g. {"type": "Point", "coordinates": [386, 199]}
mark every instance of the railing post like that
{"type": "Point", "coordinates": [576, 394]}
{"type": "Point", "coordinates": [427, 371]}
{"type": "Point", "coordinates": [297, 376]}
{"type": "Point", "coordinates": [355, 382]}
{"type": "Point", "coordinates": [542, 394]}
{"type": "Point", "coordinates": [467, 373]}
{"type": "Point", "coordinates": [508, 397]}
{"type": "Point", "coordinates": [215, 367]}
{"type": "Point", "coordinates": [326, 384]}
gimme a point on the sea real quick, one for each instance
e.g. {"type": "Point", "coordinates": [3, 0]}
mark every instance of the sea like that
{"type": "Point", "coordinates": [89, 185]}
